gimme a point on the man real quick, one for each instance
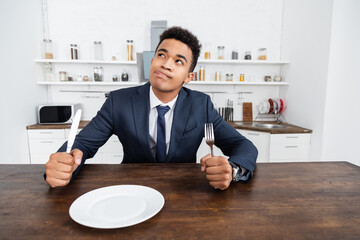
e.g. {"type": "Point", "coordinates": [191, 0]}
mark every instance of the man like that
{"type": "Point", "coordinates": [161, 121]}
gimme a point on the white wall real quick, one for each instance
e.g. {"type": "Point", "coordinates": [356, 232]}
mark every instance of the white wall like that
{"type": "Point", "coordinates": [306, 42]}
{"type": "Point", "coordinates": [21, 33]}
{"type": "Point", "coordinates": [342, 111]}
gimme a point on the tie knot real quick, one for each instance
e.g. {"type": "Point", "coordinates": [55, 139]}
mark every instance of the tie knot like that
{"type": "Point", "coordinates": [162, 110]}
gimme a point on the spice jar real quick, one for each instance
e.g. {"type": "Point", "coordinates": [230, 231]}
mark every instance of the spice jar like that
{"type": "Point", "coordinates": [62, 76]}
{"type": "Point", "coordinates": [277, 78]}
{"type": "Point", "coordinates": [85, 78]}
{"type": "Point", "coordinates": [74, 51]}
{"type": "Point", "coordinates": [221, 52]}
{"type": "Point", "coordinates": [130, 49]}
{"type": "Point", "coordinates": [98, 51]}
{"type": "Point", "coordinates": [234, 54]}
{"type": "Point", "coordinates": [229, 77]}
{"type": "Point", "coordinates": [202, 73]}
{"type": "Point", "coordinates": [47, 49]}
{"type": "Point", "coordinates": [115, 78]}
{"type": "Point", "coordinates": [98, 74]}
{"type": "Point", "coordinates": [207, 51]}
{"type": "Point", "coordinates": [217, 76]}
{"type": "Point", "coordinates": [247, 55]}
{"type": "Point", "coordinates": [242, 77]}
{"type": "Point", "coordinates": [262, 54]}
{"type": "Point", "coordinates": [124, 76]}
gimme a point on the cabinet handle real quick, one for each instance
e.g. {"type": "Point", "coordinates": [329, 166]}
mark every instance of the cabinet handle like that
{"type": "Point", "coordinates": [46, 141]}
{"type": "Point", "coordinates": [254, 134]}
{"type": "Point", "coordinates": [291, 146]}
{"type": "Point", "coordinates": [292, 137]}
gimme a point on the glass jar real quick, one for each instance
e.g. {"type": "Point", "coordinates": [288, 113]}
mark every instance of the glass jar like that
{"type": "Point", "coordinates": [207, 51]}
{"type": "Point", "coordinates": [217, 76]}
{"type": "Point", "coordinates": [262, 54]}
{"type": "Point", "coordinates": [124, 76]}
{"type": "Point", "coordinates": [48, 49]}
{"type": "Point", "coordinates": [63, 76]}
{"type": "Point", "coordinates": [85, 78]}
{"type": "Point", "coordinates": [221, 52]}
{"type": "Point", "coordinates": [130, 49]}
{"type": "Point", "coordinates": [242, 77]}
{"type": "Point", "coordinates": [98, 74]}
{"type": "Point", "coordinates": [229, 77]}
{"type": "Point", "coordinates": [98, 50]}
{"type": "Point", "coordinates": [202, 73]}
{"type": "Point", "coordinates": [48, 72]}
{"type": "Point", "coordinates": [247, 55]}
{"type": "Point", "coordinates": [234, 54]}
{"type": "Point", "coordinates": [74, 51]}
{"type": "Point", "coordinates": [267, 78]}
{"type": "Point", "coordinates": [115, 78]}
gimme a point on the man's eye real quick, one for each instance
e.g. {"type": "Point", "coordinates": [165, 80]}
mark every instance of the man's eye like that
{"type": "Point", "coordinates": [179, 62]}
{"type": "Point", "coordinates": [161, 55]}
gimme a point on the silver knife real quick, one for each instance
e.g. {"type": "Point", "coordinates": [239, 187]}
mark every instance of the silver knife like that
{"type": "Point", "coordinates": [73, 131]}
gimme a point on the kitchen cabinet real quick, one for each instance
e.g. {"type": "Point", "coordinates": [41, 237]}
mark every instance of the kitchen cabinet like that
{"type": "Point", "coordinates": [261, 140]}
{"type": "Point", "coordinates": [44, 142]}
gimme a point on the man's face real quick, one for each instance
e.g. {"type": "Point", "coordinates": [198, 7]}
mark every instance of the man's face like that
{"type": "Point", "coordinates": [170, 66]}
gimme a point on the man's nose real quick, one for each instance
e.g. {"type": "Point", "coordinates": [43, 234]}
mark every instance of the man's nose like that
{"type": "Point", "coordinates": [167, 65]}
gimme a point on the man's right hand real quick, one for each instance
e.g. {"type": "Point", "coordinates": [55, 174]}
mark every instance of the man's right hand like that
{"type": "Point", "coordinates": [60, 167]}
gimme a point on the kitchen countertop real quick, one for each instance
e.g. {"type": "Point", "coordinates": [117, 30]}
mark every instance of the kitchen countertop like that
{"type": "Point", "coordinates": [288, 128]}
{"type": "Point", "coordinates": [244, 125]}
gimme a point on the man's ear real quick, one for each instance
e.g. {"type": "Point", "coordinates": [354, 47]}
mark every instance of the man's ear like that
{"type": "Point", "coordinates": [189, 77]}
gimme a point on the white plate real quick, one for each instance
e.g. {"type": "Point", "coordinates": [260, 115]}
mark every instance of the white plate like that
{"type": "Point", "coordinates": [116, 206]}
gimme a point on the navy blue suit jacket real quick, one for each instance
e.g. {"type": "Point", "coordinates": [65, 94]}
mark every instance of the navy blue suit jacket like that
{"type": "Point", "coordinates": [125, 113]}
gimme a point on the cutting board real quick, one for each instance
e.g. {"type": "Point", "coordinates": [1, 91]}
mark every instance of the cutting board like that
{"type": "Point", "coordinates": [247, 112]}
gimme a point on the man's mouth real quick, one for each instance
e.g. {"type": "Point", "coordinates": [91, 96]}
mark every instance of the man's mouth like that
{"type": "Point", "coordinates": [162, 75]}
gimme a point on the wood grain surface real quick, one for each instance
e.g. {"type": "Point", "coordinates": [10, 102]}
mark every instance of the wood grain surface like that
{"type": "Point", "coordinates": [283, 201]}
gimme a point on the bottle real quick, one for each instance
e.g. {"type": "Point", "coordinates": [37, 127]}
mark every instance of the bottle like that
{"type": "Point", "coordinates": [48, 49]}
{"type": "Point", "coordinates": [98, 51]}
{"type": "Point", "coordinates": [247, 55]}
{"type": "Point", "coordinates": [48, 72]}
{"type": "Point", "coordinates": [202, 73]}
{"type": "Point", "coordinates": [229, 77]}
{"type": "Point", "coordinates": [124, 76]}
{"type": "Point", "coordinates": [74, 51]}
{"type": "Point", "coordinates": [98, 74]}
{"type": "Point", "coordinates": [130, 49]}
{"type": "Point", "coordinates": [221, 52]}
{"type": "Point", "coordinates": [242, 77]}
{"type": "Point", "coordinates": [262, 54]}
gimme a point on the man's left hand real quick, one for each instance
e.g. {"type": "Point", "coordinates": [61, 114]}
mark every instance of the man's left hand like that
{"type": "Point", "coordinates": [218, 171]}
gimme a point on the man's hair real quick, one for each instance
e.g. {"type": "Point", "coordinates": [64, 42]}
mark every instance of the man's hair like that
{"type": "Point", "coordinates": [186, 37]}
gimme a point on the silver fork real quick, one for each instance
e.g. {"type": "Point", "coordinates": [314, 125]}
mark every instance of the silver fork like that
{"type": "Point", "coordinates": [209, 136]}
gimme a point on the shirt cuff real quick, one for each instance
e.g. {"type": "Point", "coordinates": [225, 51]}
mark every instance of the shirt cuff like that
{"type": "Point", "coordinates": [243, 175]}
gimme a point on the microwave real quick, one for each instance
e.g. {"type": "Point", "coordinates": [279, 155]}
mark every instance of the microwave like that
{"type": "Point", "coordinates": [57, 113]}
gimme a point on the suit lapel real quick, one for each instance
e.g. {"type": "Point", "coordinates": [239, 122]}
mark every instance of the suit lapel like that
{"type": "Point", "coordinates": [181, 114]}
{"type": "Point", "coordinates": [140, 109]}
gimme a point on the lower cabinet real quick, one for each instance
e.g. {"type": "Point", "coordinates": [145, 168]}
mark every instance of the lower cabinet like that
{"type": "Point", "coordinates": [44, 142]}
{"type": "Point", "coordinates": [280, 147]}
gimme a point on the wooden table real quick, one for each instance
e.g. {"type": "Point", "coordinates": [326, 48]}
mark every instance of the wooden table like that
{"type": "Point", "coordinates": [283, 201]}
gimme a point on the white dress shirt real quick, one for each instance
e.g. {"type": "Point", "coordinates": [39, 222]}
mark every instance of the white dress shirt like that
{"type": "Point", "coordinates": [153, 115]}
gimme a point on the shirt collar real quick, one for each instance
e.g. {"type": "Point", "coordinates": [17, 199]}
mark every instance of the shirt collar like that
{"type": "Point", "coordinates": [154, 101]}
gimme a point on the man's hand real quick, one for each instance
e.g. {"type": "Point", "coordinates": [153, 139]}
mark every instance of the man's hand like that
{"type": "Point", "coordinates": [218, 171]}
{"type": "Point", "coordinates": [61, 166]}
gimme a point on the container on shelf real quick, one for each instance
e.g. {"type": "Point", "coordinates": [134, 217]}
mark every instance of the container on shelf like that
{"type": "Point", "coordinates": [85, 78]}
{"type": "Point", "coordinates": [262, 54]}
{"type": "Point", "coordinates": [130, 50]}
{"type": "Point", "coordinates": [63, 76]}
{"type": "Point", "coordinates": [217, 76]}
{"type": "Point", "coordinates": [79, 78]}
{"type": "Point", "coordinates": [221, 52]}
{"type": "Point", "coordinates": [242, 77]}
{"type": "Point", "coordinates": [115, 78]}
{"type": "Point", "coordinates": [74, 51]}
{"type": "Point", "coordinates": [48, 72]}
{"type": "Point", "coordinates": [277, 78]}
{"type": "Point", "coordinates": [201, 73]}
{"type": "Point", "coordinates": [229, 77]}
{"type": "Point", "coordinates": [98, 50]}
{"type": "Point", "coordinates": [234, 54]}
{"type": "Point", "coordinates": [98, 74]}
{"type": "Point", "coordinates": [124, 76]}
{"type": "Point", "coordinates": [48, 49]}
{"type": "Point", "coordinates": [207, 47]}
{"type": "Point", "coordinates": [267, 78]}
{"type": "Point", "coordinates": [247, 55]}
